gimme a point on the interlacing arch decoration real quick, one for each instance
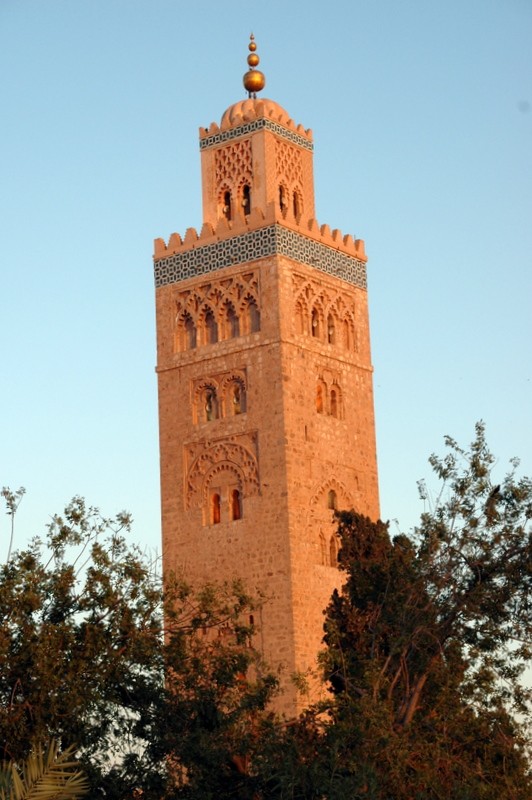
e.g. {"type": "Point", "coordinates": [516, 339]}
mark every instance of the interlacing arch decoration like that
{"type": "Point", "coordinates": [329, 497]}
{"type": "Point", "coordinates": [325, 315]}
{"type": "Point", "coordinates": [233, 170]}
{"type": "Point", "coordinates": [289, 168]}
{"type": "Point", "coordinates": [216, 311]}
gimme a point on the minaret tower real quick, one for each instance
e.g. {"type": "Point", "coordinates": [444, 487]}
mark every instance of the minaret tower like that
{"type": "Point", "coordinates": [265, 380]}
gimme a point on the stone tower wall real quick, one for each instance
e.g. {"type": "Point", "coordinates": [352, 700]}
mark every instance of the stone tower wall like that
{"type": "Point", "coordinates": [265, 388]}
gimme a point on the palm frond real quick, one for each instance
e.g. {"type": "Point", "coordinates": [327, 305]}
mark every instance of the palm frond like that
{"type": "Point", "coordinates": [44, 775]}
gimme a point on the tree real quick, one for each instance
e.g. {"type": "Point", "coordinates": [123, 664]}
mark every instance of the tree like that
{"type": "Point", "coordinates": [428, 641]}
{"type": "Point", "coordinates": [88, 657]}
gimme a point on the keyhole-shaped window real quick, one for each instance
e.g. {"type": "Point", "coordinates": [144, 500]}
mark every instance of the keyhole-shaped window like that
{"type": "Point", "coordinates": [190, 333]}
{"type": "Point", "coordinates": [315, 323]}
{"type": "Point", "coordinates": [227, 211]}
{"type": "Point", "coordinates": [246, 199]}
{"type": "Point", "coordinates": [211, 328]}
{"type": "Point", "coordinates": [330, 329]}
{"type": "Point", "coordinates": [211, 405]}
{"type": "Point", "coordinates": [238, 399]}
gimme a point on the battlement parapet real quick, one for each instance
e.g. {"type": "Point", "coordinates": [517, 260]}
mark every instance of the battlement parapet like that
{"type": "Point", "coordinates": [247, 117]}
{"type": "Point", "coordinates": [226, 229]}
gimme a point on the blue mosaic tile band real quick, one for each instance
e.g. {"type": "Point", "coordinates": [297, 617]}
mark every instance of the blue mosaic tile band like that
{"type": "Point", "coordinates": [273, 240]}
{"type": "Point", "coordinates": [251, 127]}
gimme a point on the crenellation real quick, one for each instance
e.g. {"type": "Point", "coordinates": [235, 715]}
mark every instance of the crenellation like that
{"type": "Point", "coordinates": [225, 229]}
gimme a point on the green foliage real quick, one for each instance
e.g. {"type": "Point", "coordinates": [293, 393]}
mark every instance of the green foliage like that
{"type": "Point", "coordinates": [86, 659]}
{"type": "Point", "coordinates": [426, 647]}
{"type": "Point", "coordinates": [43, 775]}
{"type": "Point", "coordinates": [428, 641]}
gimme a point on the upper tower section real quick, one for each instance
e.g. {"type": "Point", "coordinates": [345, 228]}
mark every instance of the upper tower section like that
{"type": "Point", "coordinates": [256, 158]}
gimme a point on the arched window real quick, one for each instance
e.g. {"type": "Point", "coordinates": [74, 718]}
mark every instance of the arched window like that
{"type": "Point", "coordinates": [246, 199]}
{"type": "Point", "coordinates": [237, 399]}
{"type": "Point", "coordinates": [333, 551]}
{"type": "Point", "coordinates": [349, 333]}
{"type": "Point", "coordinates": [334, 403]}
{"type": "Point", "coordinates": [330, 329]}
{"type": "Point", "coordinates": [215, 508]}
{"type": "Point", "coordinates": [282, 198]}
{"type": "Point", "coordinates": [315, 323]}
{"type": "Point", "coordinates": [211, 328]}
{"type": "Point", "coordinates": [235, 510]}
{"type": "Point", "coordinates": [226, 208]}
{"type": "Point", "coordinates": [319, 398]}
{"type": "Point", "coordinates": [211, 405]}
{"type": "Point", "coordinates": [332, 500]}
{"type": "Point", "coordinates": [190, 333]}
{"type": "Point", "coordinates": [251, 316]}
{"type": "Point", "coordinates": [231, 322]}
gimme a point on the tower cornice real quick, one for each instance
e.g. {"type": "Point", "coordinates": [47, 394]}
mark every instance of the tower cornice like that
{"type": "Point", "coordinates": [320, 248]}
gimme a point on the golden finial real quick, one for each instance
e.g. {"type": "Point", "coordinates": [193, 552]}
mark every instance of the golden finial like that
{"type": "Point", "coordinates": [254, 79]}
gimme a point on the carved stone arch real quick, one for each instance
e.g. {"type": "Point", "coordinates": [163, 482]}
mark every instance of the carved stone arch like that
{"type": "Point", "coordinates": [339, 305]}
{"type": "Point", "coordinates": [244, 199]}
{"type": "Point", "coordinates": [208, 324]}
{"type": "Point", "coordinates": [284, 196]}
{"type": "Point", "coordinates": [226, 201]}
{"type": "Point", "coordinates": [321, 523]}
{"type": "Point", "coordinates": [317, 320]}
{"type": "Point", "coordinates": [222, 474]}
{"type": "Point", "coordinates": [297, 202]}
{"type": "Point", "coordinates": [336, 407]}
{"type": "Point", "coordinates": [332, 325]}
{"type": "Point", "coordinates": [301, 315]}
{"type": "Point", "coordinates": [222, 486]}
{"type": "Point", "coordinates": [233, 391]}
{"type": "Point", "coordinates": [229, 323]}
{"type": "Point", "coordinates": [206, 400]}
{"type": "Point", "coordinates": [229, 455]}
{"type": "Point", "coordinates": [249, 314]}
{"type": "Point", "coordinates": [349, 331]}
{"type": "Point", "coordinates": [185, 332]}
{"type": "Point", "coordinates": [322, 399]}
{"type": "Point", "coordinates": [320, 495]}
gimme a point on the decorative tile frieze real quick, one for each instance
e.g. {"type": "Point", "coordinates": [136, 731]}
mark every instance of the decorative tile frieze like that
{"type": "Point", "coordinates": [272, 240]}
{"type": "Point", "coordinates": [252, 127]}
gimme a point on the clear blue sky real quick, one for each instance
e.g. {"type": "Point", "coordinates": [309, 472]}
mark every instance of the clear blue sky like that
{"type": "Point", "coordinates": [422, 120]}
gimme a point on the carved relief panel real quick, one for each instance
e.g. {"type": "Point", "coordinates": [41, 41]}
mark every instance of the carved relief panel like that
{"type": "Point", "coordinates": [217, 310]}
{"type": "Point", "coordinates": [324, 313]}
{"type": "Point", "coordinates": [220, 474]}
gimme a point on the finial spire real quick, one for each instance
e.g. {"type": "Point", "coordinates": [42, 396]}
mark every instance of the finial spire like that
{"type": "Point", "coordinates": [254, 79]}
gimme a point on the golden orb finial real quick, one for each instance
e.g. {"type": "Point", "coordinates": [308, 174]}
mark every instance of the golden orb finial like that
{"type": "Point", "coordinates": [254, 79]}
